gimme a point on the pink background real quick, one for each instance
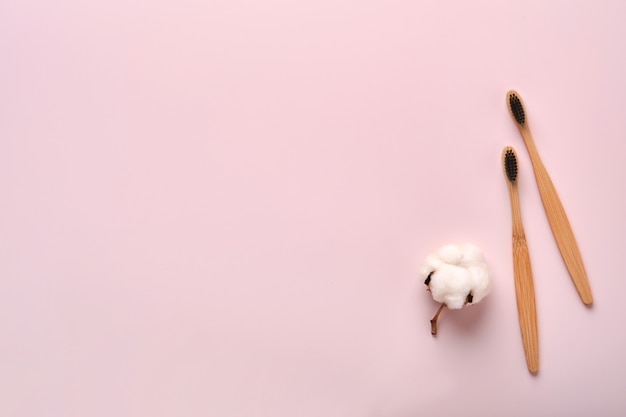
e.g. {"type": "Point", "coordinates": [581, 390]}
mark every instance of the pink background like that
{"type": "Point", "coordinates": [219, 208]}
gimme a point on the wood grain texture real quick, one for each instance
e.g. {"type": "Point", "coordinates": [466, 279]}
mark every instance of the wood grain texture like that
{"type": "Point", "coordinates": [559, 223]}
{"type": "Point", "coordinates": [524, 285]}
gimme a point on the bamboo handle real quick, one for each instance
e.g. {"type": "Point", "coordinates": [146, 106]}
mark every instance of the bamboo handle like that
{"type": "Point", "coordinates": [524, 287]}
{"type": "Point", "coordinates": [559, 223]}
{"type": "Point", "coordinates": [526, 309]}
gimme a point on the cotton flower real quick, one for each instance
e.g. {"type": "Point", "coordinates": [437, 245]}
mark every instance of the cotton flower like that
{"type": "Point", "coordinates": [456, 276]}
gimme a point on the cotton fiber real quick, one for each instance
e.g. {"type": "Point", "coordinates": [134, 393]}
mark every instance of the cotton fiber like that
{"type": "Point", "coordinates": [456, 276]}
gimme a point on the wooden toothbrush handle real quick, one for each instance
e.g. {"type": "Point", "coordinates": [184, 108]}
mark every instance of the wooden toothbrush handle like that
{"type": "Point", "coordinates": [525, 294]}
{"type": "Point", "coordinates": [561, 229]}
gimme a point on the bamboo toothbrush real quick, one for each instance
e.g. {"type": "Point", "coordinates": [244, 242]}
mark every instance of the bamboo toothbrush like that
{"type": "Point", "coordinates": [557, 218]}
{"type": "Point", "coordinates": [524, 287]}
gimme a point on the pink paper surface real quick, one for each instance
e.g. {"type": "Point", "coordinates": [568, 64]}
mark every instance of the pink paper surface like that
{"type": "Point", "coordinates": [220, 208]}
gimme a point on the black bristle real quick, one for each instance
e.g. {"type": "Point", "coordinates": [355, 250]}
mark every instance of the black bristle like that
{"type": "Point", "coordinates": [510, 165]}
{"type": "Point", "coordinates": [516, 108]}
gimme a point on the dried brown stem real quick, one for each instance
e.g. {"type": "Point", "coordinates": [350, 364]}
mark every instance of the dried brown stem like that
{"type": "Point", "coordinates": [433, 322]}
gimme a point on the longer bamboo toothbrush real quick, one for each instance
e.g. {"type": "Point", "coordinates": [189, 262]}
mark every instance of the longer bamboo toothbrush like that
{"type": "Point", "coordinates": [524, 287]}
{"type": "Point", "coordinates": [557, 218]}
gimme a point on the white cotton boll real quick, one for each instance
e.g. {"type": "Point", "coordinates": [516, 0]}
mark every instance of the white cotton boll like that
{"type": "Point", "coordinates": [455, 272]}
{"type": "Point", "coordinates": [451, 254]}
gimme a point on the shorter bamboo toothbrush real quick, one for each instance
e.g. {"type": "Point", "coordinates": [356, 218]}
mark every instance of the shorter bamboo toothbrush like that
{"type": "Point", "coordinates": [524, 287]}
{"type": "Point", "coordinates": [557, 218]}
